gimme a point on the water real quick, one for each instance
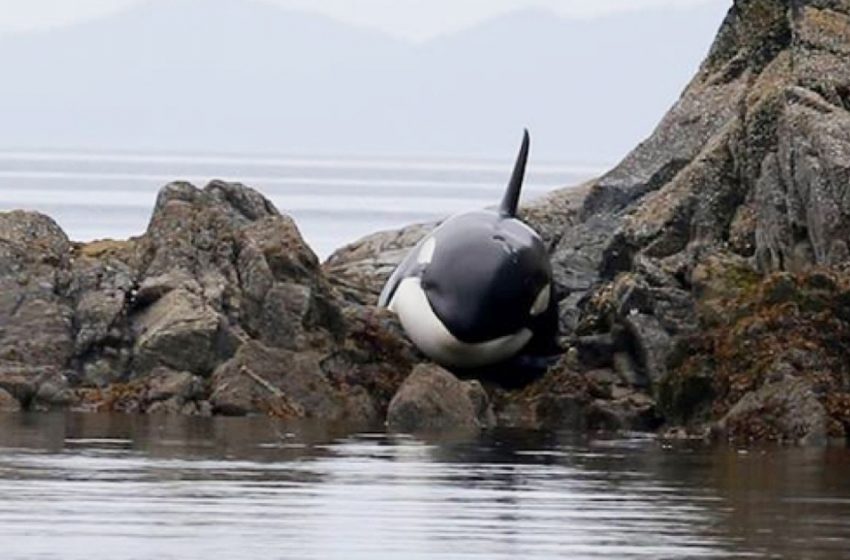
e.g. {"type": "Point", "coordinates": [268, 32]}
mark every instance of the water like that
{"type": "Point", "coordinates": [77, 486]}
{"type": "Point", "coordinates": [334, 201]}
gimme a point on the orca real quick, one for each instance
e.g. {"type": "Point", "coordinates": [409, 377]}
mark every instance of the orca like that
{"type": "Point", "coordinates": [477, 291]}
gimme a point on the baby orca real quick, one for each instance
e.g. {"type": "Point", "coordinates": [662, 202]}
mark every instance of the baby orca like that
{"type": "Point", "coordinates": [478, 289]}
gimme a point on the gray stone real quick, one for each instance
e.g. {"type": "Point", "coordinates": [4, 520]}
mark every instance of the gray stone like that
{"type": "Point", "coordinates": [595, 351]}
{"type": "Point", "coordinates": [178, 331]}
{"type": "Point", "coordinates": [627, 370]}
{"type": "Point", "coordinates": [164, 384]}
{"type": "Point", "coordinates": [654, 345]}
{"type": "Point", "coordinates": [262, 380]}
{"type": "Point", "coordinates": [434, 400]}
{"type": "Point", "coordinates": [54, 391]}
{"type": "Point", "coordinates": [8, 403]}
{"type": "Point", "coordinates": [786, 411]}
{"type": "Point", "coordinates": [361, 269]}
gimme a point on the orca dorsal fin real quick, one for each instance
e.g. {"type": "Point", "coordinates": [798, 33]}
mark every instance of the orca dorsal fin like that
{"type": "Point", "coordinates": [510, 203]}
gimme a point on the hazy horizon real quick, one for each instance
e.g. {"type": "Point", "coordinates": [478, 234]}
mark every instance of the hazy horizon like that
{"type": "Point", "coordinates": [250, 77]}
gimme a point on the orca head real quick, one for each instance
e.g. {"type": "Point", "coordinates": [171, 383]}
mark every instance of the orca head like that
{"type": "Point", "coordinates": [485, 276]}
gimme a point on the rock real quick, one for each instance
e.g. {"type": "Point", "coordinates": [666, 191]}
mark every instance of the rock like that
{"type": "Point", "coordinates": [569, 313]}
{"type": "Point", "coordinates": [788, 332]}
{"type": "Point", "coordinates": [35, 322]}
{"type": "Point", "coordinates": [288, 302]}
{"type": "Point", "coordinates": [601, 383]}
{"type": "Point", "coordinates": [286, 385]}
{"type": "Point", "coordinates": [103, 285]}
{"type": "Point", "coordinates": [780, 288]}
{"type": "Point", "coordinates": [42, 387]}
{"type": "Point", "coordinates": [169, 407]}
{"type": "Point", "coordinates": [54, 392]}
{"type": "Point", "coordinates": [21, 381]}
{"type": "Point", "coordinates": [361, 269]}
{"type": "Point", "coordinates": [685, 394]}
{"type": "Point", "coordinates": [8, 403]}
{"type": "Point", "coordinates": [787, 411]}
{"type": "Point", "coordinates": [178, 331]}
{"type": "Point", "coordinates": [577, 256]}
{"type": "Point", "coordinates": [433, 400]}
{"type": "Point", "coordinates": [595, 351]}
{"type": "Point", "coordinates": [634, 412]}
{"type": "Point", "coordinates": [560, 400]}
{"type": "Point", "coordinates": [164, 384]}
{"type": "Point", "coordinates": [136, 326]}
{"type": "Point", "coordinates": [554, 213]}
{"type": "Point", "coordinates": [627, 370]}
{"type": "Point", "coordinates": [652, 342]}
{"type": "Point", "coordinates": [162, 391]}
{"type": "Point", "coordinates": [717, 279]}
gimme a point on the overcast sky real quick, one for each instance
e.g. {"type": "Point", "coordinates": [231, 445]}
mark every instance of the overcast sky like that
{"type": "Point", "coordinates": [410, 19]}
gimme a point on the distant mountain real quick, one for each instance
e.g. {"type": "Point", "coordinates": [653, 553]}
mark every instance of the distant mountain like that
{"type": "Point", "coordinates": [244, 76]}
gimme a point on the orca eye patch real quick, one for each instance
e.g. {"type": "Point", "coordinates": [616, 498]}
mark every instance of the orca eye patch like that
{"type": "Point", "coordinates": [426, 253]}
{"type": "Point", "coordinates": [541, 304]}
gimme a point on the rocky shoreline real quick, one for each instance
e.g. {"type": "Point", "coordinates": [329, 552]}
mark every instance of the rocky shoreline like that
{"type": "Point", "coordinates": [704, 283]}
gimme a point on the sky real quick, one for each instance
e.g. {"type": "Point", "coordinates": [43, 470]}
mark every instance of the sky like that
{"type": "Point", "coordinates": [591, 78]}
{"type": "Point", "coordinates": [414, 20]}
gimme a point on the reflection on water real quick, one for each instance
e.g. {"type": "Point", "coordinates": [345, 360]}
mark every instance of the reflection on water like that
{"type": "Point", "coordinates": [76, 486]}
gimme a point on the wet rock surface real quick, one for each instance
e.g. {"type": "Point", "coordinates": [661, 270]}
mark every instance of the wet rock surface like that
{"type": "Point", "coordinates": [434, 400]}
{"type": "Point", "coordinates": [702, 283]}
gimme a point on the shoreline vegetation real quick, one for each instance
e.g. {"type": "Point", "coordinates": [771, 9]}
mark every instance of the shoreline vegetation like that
{"type": "Point", "coordinates": [704, 282]}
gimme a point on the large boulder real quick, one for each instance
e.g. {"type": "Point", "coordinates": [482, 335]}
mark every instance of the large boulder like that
{"type": "Point", "coordinates": [434, 400]}
{"type": "Point", "coordinates": [787, 411]}
{"type": "Point", "coordinates": [285, 384]}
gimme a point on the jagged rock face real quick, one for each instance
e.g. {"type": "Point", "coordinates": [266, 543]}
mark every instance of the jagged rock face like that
{"type": "Point", "coordinates": [750, 166]}
{"type": "Point", "coordinates": [220, 284]}
{"type": "Point", "coordinates": [754, 155]}
{"type": "Point", "coordinates": [36, 330]}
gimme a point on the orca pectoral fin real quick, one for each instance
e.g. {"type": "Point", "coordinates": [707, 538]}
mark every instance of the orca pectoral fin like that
{"type": "Point", "coordinates": [386, 297]}
{"type": "Point", "coordinates": [406, 268]}
{"type": "Point", "coordinates": [510, 203]}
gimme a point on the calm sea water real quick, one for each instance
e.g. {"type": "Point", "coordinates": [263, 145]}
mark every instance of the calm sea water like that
{"type": "Point", "coordinates": [334, 201]}
{"type": "Point", "coordinates": [81, 487]}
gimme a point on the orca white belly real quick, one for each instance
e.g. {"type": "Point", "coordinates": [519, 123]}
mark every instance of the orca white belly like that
{"type": "Point", "coordinates": [429, 334]}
